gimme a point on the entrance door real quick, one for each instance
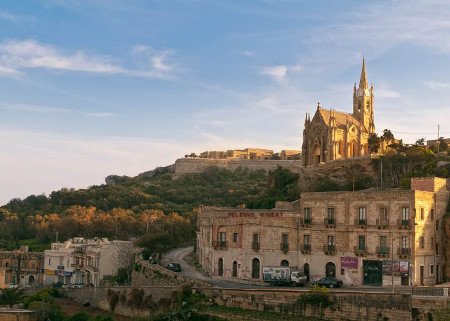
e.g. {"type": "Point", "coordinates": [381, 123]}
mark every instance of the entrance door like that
{"type": "Point", "coordinates": [306, 271]}
{"type": "Point", "coordinates": [373, 272]}
{"type": "Point", "coordinates": [330, 270]}
{"type": "Point", "coordinates": [421, 274]}
{"type": "Point", "coordinates": [220, 267]}
{"type": "Point", "coordinates": [255, 268]}
{"type": "Point", "coordinates": [437, 274]}
{"type": "Point", "coordinates": [234, 269]}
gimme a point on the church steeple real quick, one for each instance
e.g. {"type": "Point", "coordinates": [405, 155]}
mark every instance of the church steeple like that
{"type": "Point", "coordinates": [363, 80]}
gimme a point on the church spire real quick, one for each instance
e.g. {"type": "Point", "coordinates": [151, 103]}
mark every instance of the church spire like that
{"type": "Point", "coordinates": [363, 80]}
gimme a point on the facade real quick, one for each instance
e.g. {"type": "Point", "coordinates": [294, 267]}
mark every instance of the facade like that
{"type": "Point", "coordinates": [332, 134]}
{"type": "Point", "coordinates": [20, 267]}
{"type": "Point", "coordinates": [435, 142]}
{"type": "Point", "coordinates": [251, 153]}
{"type": "Point", "coordinates": [369, 237]}
{"type": "Point", "coordinates": [82, 261]}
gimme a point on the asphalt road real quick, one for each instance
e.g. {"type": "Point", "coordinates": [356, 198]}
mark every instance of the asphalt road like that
{"type": "Point", "coordinates": [178, 255]}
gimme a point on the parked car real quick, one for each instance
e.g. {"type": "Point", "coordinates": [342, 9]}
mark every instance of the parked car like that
{"type": "Point", "coordinates": [329, 282]}
{"type": "Point", "coordinates": [175, 267]}
{"type": "Point", "coordinates": [283, 275]}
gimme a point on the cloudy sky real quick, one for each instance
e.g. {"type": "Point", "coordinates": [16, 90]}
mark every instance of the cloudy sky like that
{"type": "Point", "coordinates": [92, 88]}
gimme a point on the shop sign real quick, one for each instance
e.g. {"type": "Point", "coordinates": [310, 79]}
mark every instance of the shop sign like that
{"type": "Point", "coordinates": [401, 268]}
{"type": "Point", "coordinates": [348, 262]}
{"type": "Point", "coordinates": [49, 272]}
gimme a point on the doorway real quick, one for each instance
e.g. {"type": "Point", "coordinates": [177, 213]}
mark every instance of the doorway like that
{"type": "Point", "coordinates": [234, 269]}
{"type": "Point", "coordinates": [255, 268]}
{"type": "Point", "coordinates": [421, 275]}
{"type": "Point", "coordinates": [220, 267]}
{"type": "Point", "coordinates": [306, 271]}
{"type": "Point", "coordinates": [330, 270]}
{"type": "Point", "coordinates": [284, 263]}
{"type": "Point", "coordinates": [373, 272]}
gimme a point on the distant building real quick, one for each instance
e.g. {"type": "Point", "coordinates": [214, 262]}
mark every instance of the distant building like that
{"type": "Point", "coordinates": [434, 142]}
{"type": "Point", "coordinates": [367, 237]}
{"type": "Point", "coordinates": [251, 153]}
{"type": "Point", "coordinates": [82, 261]}
{"type": "Point", "coordinates": [20, 267]}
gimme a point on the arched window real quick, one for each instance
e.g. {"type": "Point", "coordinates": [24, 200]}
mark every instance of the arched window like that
{"type": "Point", "coordinates": [235, 266]}
{"type": "Point", "coordinates": [220, 267]}
{"type": "Point", "coordinates": [330, 270]}
{"type": "Point", "coordinates": [255, 268]}
{"type": "Point", "coordinates": [31, 279]}
{"type": "Point", "coordinates": [284, 263]}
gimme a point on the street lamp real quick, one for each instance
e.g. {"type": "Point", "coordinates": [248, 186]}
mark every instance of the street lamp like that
{"type": "Point", "coordinates": [392, 261]}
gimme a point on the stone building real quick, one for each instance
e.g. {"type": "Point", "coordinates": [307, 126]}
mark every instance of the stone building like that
{"type": "Point", "coordinates": [83, 261]}
{"type": "Point", "coordinates": [20, 267]}
{"type": "Point", "coordinates": [368, 237]}
{"type": "Point", "coordinates": [332, 134]}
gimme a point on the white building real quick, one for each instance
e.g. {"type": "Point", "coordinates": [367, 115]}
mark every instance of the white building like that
{"type": "Point", "coordinates": [83, 261]}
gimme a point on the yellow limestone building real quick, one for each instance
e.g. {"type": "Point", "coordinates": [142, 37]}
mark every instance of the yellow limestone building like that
{"type": "Point", "coordinates": [333, 134]}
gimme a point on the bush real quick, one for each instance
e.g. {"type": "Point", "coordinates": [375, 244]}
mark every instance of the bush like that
{"type": "Point", "coordinates": [318, 298]}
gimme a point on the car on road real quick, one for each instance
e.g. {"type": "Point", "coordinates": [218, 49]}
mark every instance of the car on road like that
{"type": "Point", "coordinates": [175, 267]}
{"type": "Point", "coordinates": [329, 282]}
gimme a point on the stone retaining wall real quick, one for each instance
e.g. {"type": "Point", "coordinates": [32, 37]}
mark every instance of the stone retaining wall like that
{"type": "Point", "coordinates": [17, 315]}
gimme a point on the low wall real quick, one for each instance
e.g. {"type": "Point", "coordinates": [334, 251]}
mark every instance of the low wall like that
{"type": "Point", "coordinates": [17, 315]}
{"type": "Point", "coordinates": [198, 165]}
{"type": "Point", "coordinates": [147, 302]}
{"type": "Point", "coordinates": [346, 305]}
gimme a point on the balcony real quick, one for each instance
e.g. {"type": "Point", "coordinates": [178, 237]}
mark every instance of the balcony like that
{"type": "Point", "coordinates": [91, 268]}
{"type": "Point", "coordinates": [382, 251]}
{"type": "Point", "coordinates": [77, 266]}
{"type": "Point", "coordinates": [404, 224]}
{"type": "Point", "coordinates": [361, 223]}
{"type": "Point", "coordinates": [220, 245]}
{"type": "Point", "coordinates": [360, 250]}
{"type": "Point", "coordinates": [330, 249]}
{"type": "Point", "coordinates": [382, 223]}
{"type": "Point", "coordinates": [284, 247]}
{"type": "Point", "coordinates": [305, 248]}
{"type": "Point", "coordinates": [330, 222]}
{"type": "Point", "coordinates": [306, 222]}
{"type": "Point", "coordinates": [404, 252]}
{"type": "Point", "coordinates": [256, 245]}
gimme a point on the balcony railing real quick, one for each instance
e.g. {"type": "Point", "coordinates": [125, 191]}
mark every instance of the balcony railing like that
{"type": "Point", "coordinates": [360, 250]}
{"type": "Point", "coordinates": [330, 249]}
{"type": "Point", "coordinates": [404, 223]}
{"type": "Point", "coordinates": [306, 221]}
{"type": "Point", "coordinates": [284, 247]}
{"type": "Point", "coordinates": [361, 222]}
{"type": "Point", "coordinates": [404, 252]}
{"type": "Point", "coordinates": [256, 245]}
{"type": "Point", "coordinates": [330, 222]}
{"type": "Point", "coordinates": [220, 244]}
{"type": "Point", "coordinates": [382, 223]}
{"type": "Point", "coordinates": [383, 251]}
{"type": "Point", "coordinates": [305, 248]}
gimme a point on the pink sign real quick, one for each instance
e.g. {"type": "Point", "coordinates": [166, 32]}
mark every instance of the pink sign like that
{"type": "Point", "coordinates": [349, 262]}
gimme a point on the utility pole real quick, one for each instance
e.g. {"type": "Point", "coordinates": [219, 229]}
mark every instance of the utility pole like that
{"type": "Point", "coordinates": [381, 174]}
{"type": "Point", "coordinates": [438, 142]}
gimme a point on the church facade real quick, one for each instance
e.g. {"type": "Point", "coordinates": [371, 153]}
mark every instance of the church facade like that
{"type": "Point", "coordinates": [332, 134]}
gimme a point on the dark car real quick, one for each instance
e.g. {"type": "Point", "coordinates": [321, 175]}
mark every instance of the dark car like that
{"type": "Point", "coordinates": [329, 282]}
{"type": "Point", "coordinates": [176, 267]}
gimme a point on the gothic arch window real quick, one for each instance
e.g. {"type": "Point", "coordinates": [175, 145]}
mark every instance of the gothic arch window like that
{"type": "Point", "coordinates": [359, 106]}
{"type": "Point", "coordinates": [368, 105]}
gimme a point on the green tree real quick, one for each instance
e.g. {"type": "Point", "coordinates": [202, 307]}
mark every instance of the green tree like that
{"type": "Point", "coordinates": [387, 134]}
{"type": "Point", "coordinates": [374, 143]}
{"type": "Point", "coordinates": [420, 142]}
{"type": "Point", "coordinates": [11, 297]}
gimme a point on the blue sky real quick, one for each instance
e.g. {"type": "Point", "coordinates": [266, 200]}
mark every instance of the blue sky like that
{"type": "Point", "coordinates": [92, 88]}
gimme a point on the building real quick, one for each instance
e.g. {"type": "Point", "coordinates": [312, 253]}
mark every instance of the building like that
{"type": "Point", "coordinates": [248, 153]}
{"type": "Point", "coordinates": [435, 142]}
{"type": "Point", "coordinates": [332, 134]}
{"type": "Point", "coordinates": [368, 237]}
{"type": "Point", "coordinates": [20, 267]}
{"type": "Point", "coordinates": [83, 261]}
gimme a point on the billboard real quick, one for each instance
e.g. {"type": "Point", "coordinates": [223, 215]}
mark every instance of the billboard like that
{"type": "Point", "coordinates": [348, 262]}
{"type": "Point", "coordinates": [400, 268]}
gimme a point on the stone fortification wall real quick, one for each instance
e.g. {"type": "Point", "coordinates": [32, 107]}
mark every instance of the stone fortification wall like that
{"type": "Point", "coordinates": [346, 305]}
{"type": "Point", "coordinates": [198, 165]}
{"type": "Point", "coordinates": [17, 315]}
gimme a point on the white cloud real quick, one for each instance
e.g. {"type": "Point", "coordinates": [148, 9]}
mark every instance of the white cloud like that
{"type": "Point", "coordinates": [278, 73]}
{"type": "Point", "coordinates": [16, 56]}
{"type": "Point", "coordinates": [245, 53]}
{"type": "Point", "coordinates": [158, 60]}
{"type": "Point", "coordinates": [53, 110]}
{"type": "Point", "coordinates": [437, 85]}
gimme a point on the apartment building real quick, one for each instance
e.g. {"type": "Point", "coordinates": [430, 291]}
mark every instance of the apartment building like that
{"type": "Point", "coordinates": [20, 267]}
{"type": "Point", "coordinates": [369, 237]}
{"type": "Point", "coordinates": [82, 261]}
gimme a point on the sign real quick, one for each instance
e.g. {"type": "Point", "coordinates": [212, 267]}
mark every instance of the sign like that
{"type": "Point", "coordinates": [67, 273]}
{"type": "Point", "coordinates": [348, 262]}
{"type": "Point", "coordinates": [49, 272]}
{"type": "Point", "coordinates": [400, 268]}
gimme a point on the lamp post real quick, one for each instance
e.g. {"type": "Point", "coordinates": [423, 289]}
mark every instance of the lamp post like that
{"type": "Point", "coordinates": [392, 262]}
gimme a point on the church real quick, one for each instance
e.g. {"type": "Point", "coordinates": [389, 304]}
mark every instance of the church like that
{"type": "Point", "coordinates": [333, 134]}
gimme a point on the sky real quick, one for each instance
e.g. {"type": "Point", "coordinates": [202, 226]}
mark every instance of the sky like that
{"type": "Point", "coordinates": [94, 88]}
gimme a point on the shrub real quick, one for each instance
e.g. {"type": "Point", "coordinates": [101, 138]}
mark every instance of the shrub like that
{"type": "Point", "coordinates": [113, 299]}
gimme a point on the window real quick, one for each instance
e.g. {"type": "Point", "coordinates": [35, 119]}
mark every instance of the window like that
{"type": "Point", "coordinates": [404, 240]}
{"type": "Point", "coordinates": [437, 225]}
{"type": "Point", "coordinates": [383, 213]}
{"type": "Point", "coordinates": [330, 240]}
{"type": "Point", "coordinates": [307, 215]}
{"type": "Point", "coordinates": [437, 248]}
{"type": "Point", "coordinates": [422, 214]}
{"type": "Point", "coordinates": [362, 215]}
{"type": "Point", "coordinates": [405, 213]}
{"type": "Point", "coordinates": [361, 243]}
{"type": "Point", "coordinates": [235, 237]}
{"type": "Point", "coordinates": [422, 242]}
{"type": "Point", "coordinates": [432, 214]}
{"type": "Point", "coordinates": [331, 213]}
{"type": "Point", "coordinates": [285, 238]}
{"type": "Point", "coordinates": [432, 269]}
{"type": "Point", "coordinates": [383, 241]}
{"type": "Point", "coordinates": [255, 242]}
{"type": "Point", "coordinates": [432, 243]}
{"type": "Point", "coordinates": [307, 239]}
{"type": "Point", "coordinates": [222, 237]}
{"type": "Point", "coordinates": [49, 261]}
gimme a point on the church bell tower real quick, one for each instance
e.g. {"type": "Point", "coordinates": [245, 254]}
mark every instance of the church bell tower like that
{"type": "Point", "coordinates": [363, 102]}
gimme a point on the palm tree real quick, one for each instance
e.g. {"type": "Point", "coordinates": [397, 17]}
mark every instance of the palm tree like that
{"type": "Point", "coordinates": [11, 296]}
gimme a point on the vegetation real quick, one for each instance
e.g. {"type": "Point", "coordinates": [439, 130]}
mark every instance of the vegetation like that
{"type": "Point", "coordinates": [11, 297]}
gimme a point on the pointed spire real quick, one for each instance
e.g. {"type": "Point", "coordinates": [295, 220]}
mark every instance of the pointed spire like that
{"type": "Point", "coordinates": [363, 80]}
